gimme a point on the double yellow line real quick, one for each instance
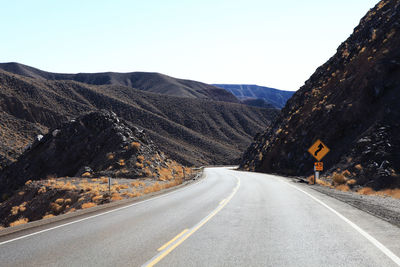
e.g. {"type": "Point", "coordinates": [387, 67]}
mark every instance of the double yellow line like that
{"type": "Point", "coordinates": [181, 237]}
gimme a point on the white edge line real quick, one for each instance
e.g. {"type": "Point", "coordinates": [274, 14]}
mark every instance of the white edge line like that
{"type": "Point", "coordinates": [375, 242]}
{"type": "Point", "coordinates": [97, 215]}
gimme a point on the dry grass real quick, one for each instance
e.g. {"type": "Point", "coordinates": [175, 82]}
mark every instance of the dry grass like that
{"type": "Point", "coordinates": [139, 165]}
{"type": "Point", "coordinates": [48, 216]}
{"type": "Point", "coordinates": [104, 180]}
{"type": "Point", "coordinates": [395, 193]}
{"type": "Point", "coordinates": [28, 182]}
{"type": "Point", "coordinates": [116, 196]}
{"type": "Point", "coordinates": [56, 207]}
{"type": "Point", "coordinates": [358, 167]}
{"type": "Point", "coordinates": [343, 187]}
{"type": "Point", "coordinates": [97, 198]}
{"type": "Point", "coordinates": [140, 158]}
{"type": "Point", "coordinates": [135, 145]}
{"type": "Point", "coordinates": [88, 205]}
{"type": "Point", "coordinates": [59, 201]}
{"type": "Point", "coordinates": [110, 156]}
{"type": "Point", "coordinates": [86, 174]}
{"type": "Point", "coordinates": [351, 182]}
{"type": "Point", "coordinates": [152, 188]}
{"type": "Point", "coordinates": [21, 208]}
{"type": "Point", "coordinates": [121, 162]}
{"type": "Point", "coordinates": [338, 178]}
{"type": "Point", "coordinates": [19, 222]}
{"type": "Point", "coordinates": [366, 191]}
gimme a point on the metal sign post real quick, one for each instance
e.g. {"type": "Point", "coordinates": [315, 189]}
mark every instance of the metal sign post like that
{"type": "Point", "coordinates": [109, 186]}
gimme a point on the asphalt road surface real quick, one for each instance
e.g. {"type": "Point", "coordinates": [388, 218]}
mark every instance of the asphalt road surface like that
{"type": "Point", "coordinates": [229, 218]}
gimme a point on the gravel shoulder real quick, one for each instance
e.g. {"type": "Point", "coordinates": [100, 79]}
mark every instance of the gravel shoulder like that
{"type": "Point", "coordinates": [386, 208]}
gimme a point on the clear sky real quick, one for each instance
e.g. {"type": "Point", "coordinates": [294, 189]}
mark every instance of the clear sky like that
{"type": "Point", "coordinates": [271, 43]}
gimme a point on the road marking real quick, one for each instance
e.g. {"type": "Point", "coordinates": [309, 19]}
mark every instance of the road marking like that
{"type": "Point", "coordinates": [375, 242]}
{"type": "Point", "coordinates": [222, 201]}
{"type": "Point", "coordinates": [192, 230]}
{"type": "Point", "coordinates": [97, 215]}
{"type": "Point", "coordinates": [172, 240]}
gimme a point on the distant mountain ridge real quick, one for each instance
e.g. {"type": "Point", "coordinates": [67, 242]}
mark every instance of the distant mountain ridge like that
{"type": "Point", "coordinates": [193, 131]}
{"type": "Point", "coordinates": [275, 97]}
{"type": "Point", "coordinates": [145, 81]}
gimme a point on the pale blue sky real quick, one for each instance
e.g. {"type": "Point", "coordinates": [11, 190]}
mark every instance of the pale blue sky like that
{"type": "Point", "coordinates": [271, 43]}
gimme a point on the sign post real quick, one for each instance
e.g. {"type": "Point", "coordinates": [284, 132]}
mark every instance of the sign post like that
{"type": "Point", "coordinates": [318, 150]}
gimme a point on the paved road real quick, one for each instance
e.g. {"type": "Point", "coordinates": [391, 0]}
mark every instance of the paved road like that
{"type": "Point", "coordinates": [230, 218]}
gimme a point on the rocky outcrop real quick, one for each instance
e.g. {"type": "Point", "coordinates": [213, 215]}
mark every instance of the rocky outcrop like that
{"type": "Point", "coordinates": [93, 145]}
{"type": "Point", "coordinates": [350, 103]}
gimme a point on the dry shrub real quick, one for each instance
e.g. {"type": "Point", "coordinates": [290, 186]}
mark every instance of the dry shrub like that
{"type": "Point", "coordinates": [48, 216]}
{"type": "Point", "coordinates": [310, 179]}
{"type": "Point", "coordinates": [97, 198]}
{"type": "Point", "coordinates": [14, 210]}
{"type": "Point", "coordinates": [338, 178]}
{"type": "Point", "coordinates": [68, 201]}
{"type": "Point", "coordinates": [104, 180]}
{"type": "Point", "coordinates": [165, 174]}
{"type": "Point", "coordinates": [88, 205]}
{"type": "Point", "coordinates": [395, 193]}
{"type": "Point", "coordinates": [135, 145]}
{"type": "Point", "coordinates": [68, 186]}
{"type": "Point", "coordinates": [343, 187]}
{"type": "Point", "coordinates": [147, 172]}
{"type": "Point", "coordinates": [42, 190]}
{"type": "Point", "coordinates": [110, 156]}
{"type": "Point", "coordinates": [21, 193]}
{"type": "Point", "coordinates": [116, 196]}
{"type": "Point", "coordinates": [140, 158]}
{"type": "Point", "coordinates": [323, 183]}
{"type": "Point", "coordinates": [139, 165]}
{"type": "Point", "coordinates": [59, 201]}
{"type": "Point", "coordinates": [55, 207]}
{"type": "Point", "coordinates": [358, 167]}
{"type": "Point", "coordinates": [28, 182]}
{"type": "Point", "coordinates": [351, 182]}
{"type": "Point", "coordinates": [95, 179]}
{"type": "Point", "coordinates": [366, 191]}
{"type": "Point", "coordinates": [86, 174]}
{"type": "Point", "coordinates": [121, 162]}
{"type": "Point", "coordinates": [81, 199]}
{"type": "Point", "coordinates": [152, 188]}
{"type": "Point", "coordinates": [19, 222]}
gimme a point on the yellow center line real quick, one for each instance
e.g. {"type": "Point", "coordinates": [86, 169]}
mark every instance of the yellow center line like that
{"type": "Point", "coordinates": [186, 234]}
{"type": "Point", "coordinates": [172, 240]}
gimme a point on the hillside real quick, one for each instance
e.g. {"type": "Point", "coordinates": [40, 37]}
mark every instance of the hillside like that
{"type": "Point", "coordinates": [145, 81]}
{"type": "Point", "coordinates": [191, 131]}
{"type": "Point", "coordinates": [276, 98]}
{"type": "Point", "coordinates": [351, 104]}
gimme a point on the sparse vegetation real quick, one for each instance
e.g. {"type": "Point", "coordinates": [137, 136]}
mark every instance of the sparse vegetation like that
{"type": "Point", "coordinates": [19, 222]}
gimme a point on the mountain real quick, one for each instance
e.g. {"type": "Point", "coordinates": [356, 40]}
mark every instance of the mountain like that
{"type": "Point", "coordinates": [146, 81]}
{"type": "Point", "coordinates": [275, 97]}
{"type": "Point", "coordinates": [351, 104]}
{"type": "Point", "coordinates": [193, 131]}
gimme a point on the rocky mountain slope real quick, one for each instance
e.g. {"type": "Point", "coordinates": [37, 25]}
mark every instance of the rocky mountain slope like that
{"type": "Point", "coordinates": [98, 144]}
{"type": "Point", "coordinates": [245, 92]}
{"type": "Point", "coordinates": [351, 104]}
{"type": "Point", "coordinates": [191, 131]}
{"type": "Point", "coordinates": [145, 81]}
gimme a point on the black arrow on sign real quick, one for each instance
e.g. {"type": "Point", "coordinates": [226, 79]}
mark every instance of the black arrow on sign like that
{"type": "Point", "coordinates": [320, 147]}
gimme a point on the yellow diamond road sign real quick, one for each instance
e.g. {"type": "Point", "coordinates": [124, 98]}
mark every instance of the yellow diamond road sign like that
{"type": "Point", "coordinates": [318, 150]}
